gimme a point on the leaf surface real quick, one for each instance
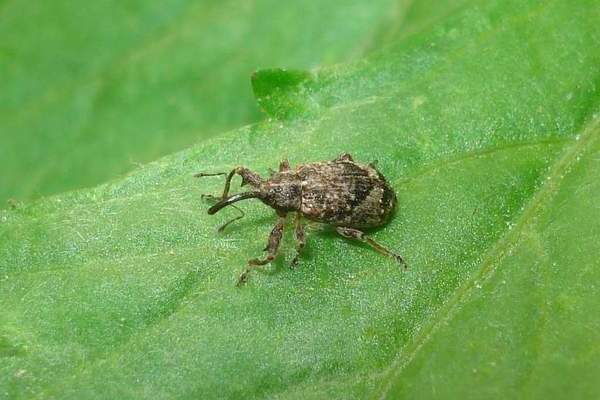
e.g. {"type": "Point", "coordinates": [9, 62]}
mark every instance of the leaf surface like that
{"type": "Point", "coordinates": [487, 125]}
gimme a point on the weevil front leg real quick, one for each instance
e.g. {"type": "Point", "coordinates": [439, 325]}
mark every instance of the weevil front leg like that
{"type": "Point", "coordinates": [248, 177]}
{"type": "Point", "coordinates": [271, 249]}
{"type": "Point", "coordinates": [352, 233]}
{"type": "Point", "coordinates": [300, 239]}
{"type": "Point", "coordinates": [284, 165]}
{"type": "Point", "coordinates": [344, 157]}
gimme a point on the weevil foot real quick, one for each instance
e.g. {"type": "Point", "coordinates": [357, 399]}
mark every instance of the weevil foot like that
{"type": "Point", "coordinates": [399, 260]}
{"type": "Point", "coordinates": [252, 265]}
{"type": "Point", "coordinates": [243, 278]}
{"type": "Point", "coordinates": [294, 263]}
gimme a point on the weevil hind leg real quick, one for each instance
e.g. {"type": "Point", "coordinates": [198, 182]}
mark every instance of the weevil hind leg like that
{"type": "Point", "coordinates": [271, 249]}
{"type": "Point", "coordinates": [300, 239]}
{"type": "Point", "coordinates": [352, 233]}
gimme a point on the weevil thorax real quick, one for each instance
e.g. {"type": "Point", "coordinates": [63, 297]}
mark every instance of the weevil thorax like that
{"type": "Point", "coordinates": [282, 191]}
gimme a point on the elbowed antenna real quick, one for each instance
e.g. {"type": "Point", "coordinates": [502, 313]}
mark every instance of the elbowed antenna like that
{"type": "Point", "coordinates": [232, 199]}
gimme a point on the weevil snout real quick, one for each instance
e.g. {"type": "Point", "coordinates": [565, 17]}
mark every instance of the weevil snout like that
{"type": "Point", "coordinates": [230, 200]}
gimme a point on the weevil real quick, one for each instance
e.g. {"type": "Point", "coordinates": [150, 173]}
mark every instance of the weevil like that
{"type": "Point", "coordinates": [342, 193]}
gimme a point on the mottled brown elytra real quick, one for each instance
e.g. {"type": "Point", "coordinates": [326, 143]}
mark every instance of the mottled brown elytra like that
{"type": "Point", "coordinates": [341, 193]}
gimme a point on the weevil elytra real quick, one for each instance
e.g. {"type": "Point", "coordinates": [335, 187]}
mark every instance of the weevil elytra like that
{"type": "Point", "coordinates": [341, 193]}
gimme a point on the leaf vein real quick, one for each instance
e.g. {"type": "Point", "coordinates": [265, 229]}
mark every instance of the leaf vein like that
{"type": "Point", "coordinates": [493, 257]}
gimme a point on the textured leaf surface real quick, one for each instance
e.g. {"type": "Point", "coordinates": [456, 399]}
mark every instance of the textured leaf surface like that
{"type": "Point", "coordinates": [89, 90]}
{"type": "Point", "coordinates": [486, 122]}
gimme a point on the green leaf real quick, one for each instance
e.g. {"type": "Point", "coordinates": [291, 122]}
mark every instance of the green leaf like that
{"type": "Point", "coordinates": [526, 322]}
{"type": "Point", "coordinates": [487, 124]}
{"type": "Point", "coordinates": [89, 91]}
{"type": "Point", "coordinates": [282, 93]}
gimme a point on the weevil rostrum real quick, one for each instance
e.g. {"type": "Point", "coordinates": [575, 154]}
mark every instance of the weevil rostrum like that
{"type": "Point", "coordinates": [341, 193]}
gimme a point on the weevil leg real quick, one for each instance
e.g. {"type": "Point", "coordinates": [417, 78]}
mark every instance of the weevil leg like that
{"type": "Point", "coordinates": [284, 165]}
{"type": "Point", "coordinates": [248, 177]}
{"type": "Point", "coordinates": [344, 157]}
{"type": "Point", "coordinates": [352, 233]}
{"type": "Point", "coordinates": [271, 249]}
{"type": "Point", "coordinates": [272, 243]}
{"type": "Point", "coordinates": [299, 236]}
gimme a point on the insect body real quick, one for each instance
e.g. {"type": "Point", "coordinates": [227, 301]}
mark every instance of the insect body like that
{"type": "Point", "coordinates": [341, 193]}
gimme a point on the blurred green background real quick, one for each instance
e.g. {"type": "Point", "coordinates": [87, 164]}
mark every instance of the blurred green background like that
{"type": "Point", "coordinates": [89, 90]}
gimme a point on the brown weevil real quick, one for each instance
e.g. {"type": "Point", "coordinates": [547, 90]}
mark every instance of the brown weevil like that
{"type": "Point", "coordinates": [347, 195]}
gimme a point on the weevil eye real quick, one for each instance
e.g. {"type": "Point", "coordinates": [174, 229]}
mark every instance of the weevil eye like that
{"type": "Point", "coordinates": [283, 196]}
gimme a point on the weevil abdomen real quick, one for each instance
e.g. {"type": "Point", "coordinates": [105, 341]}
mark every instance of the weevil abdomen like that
{"type": "Point", "coordinates": [344, 193]}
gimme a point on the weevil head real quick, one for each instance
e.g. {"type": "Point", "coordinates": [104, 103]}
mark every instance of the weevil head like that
{"type": "Point", "coordinates": [282, 192]}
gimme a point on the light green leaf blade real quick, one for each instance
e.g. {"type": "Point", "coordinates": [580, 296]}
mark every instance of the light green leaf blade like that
{"type": "Point", "coordinates": [525, 326]}
{"type": "Point", "coordinates": [126, 290]}
{"type": "Point", "coordinates": [87, 91]}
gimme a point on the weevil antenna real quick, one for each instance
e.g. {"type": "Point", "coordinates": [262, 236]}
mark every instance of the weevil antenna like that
{"type": "Point", "coordinates": [232, 199]}
{"type": "Point", "coordinates": [203, 174]}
